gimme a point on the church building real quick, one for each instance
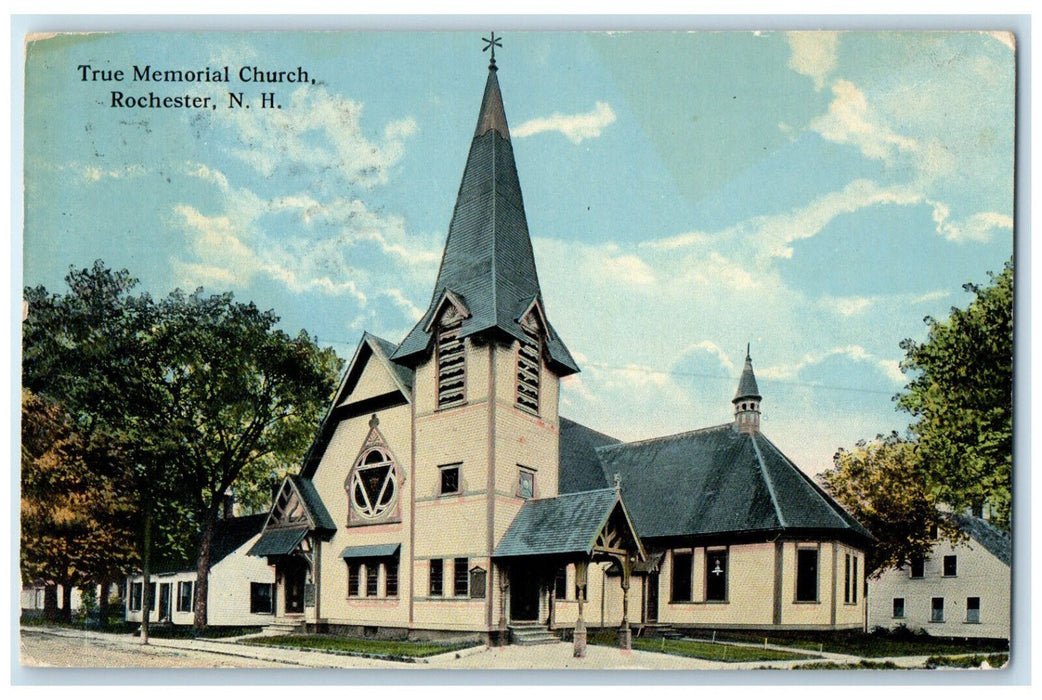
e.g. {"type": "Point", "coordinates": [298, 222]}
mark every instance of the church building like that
{"type": "Point", "coordinates": [444, 496]}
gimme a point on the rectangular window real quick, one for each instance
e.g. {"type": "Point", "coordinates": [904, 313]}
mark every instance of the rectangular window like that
{"type": "Point", "coordinates": [857, 583]}
{"type": "Point", "coordinates": [372, 579]}
{"type": "Point", "coordinates": [561, 583]}
{"type": "Point", "coordinates": [135, 596]}
{"type": "Point", "coordinates": [477, 582]}
{"type": "Point", "coordinates": [525, 483]}
{"type": "Point", "coordinates": [680, 591]}
{"type": "Point", "coordinates": [152, 597]}
{"type": "Point", "coordinates": [184, 596]}
{"type": "Point", "coordinates": [262, 598]}
{"type": "Point", "coordinates": [937, 610]}
{"type": "Point", "coordinates": [391, 582]}
{"type": "Point", "coordinates": [459, 577]}
{"type": "Point", "coordinates": [899, 608]}
{"type": "Point", "coordinates": [449, 479]}
{"type": "Point", "coordinates": [918, 565]}
{"type": "Point", "coordinates": [451, 367]}
{"type": "Point", "coordinates": [973, 610]}
{"type": "Point", "coordinates": [716, 575]}
{"type": "Point", "coordinates": [950, 565]}
{"type": "Point", "coordinates": [354, 585]}
{"type": "Point", "coordinates": [528, 363]}
{"type": "Point", "coordinates": [807, 575]}
{"type": "Point", "coordinates": [436, 577]}
{"type": "Point", "coordinates": [846, 578]}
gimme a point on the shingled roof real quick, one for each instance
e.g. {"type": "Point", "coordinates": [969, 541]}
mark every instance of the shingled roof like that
{"type": "Point", "coordinates": [990, 537]}
{"type": "Point", "coordinates": [717, 481]}
{"type": "Point", "coordinates": [565, 524]}
{"type": "Point", "coordinates": [488, 262]}
{"type": "Point", "coordinates": [580, 469]}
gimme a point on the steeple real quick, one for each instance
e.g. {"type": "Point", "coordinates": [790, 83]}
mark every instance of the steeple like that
{"type": "Point", "coordinates": [488, 268]}
{"type": "Point", "coordinates": [747, 399]}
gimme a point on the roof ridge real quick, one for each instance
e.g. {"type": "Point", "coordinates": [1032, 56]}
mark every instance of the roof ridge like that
{"type": "Point", "coordinates": [665, 437]}
{"type": "Point", "coordinates": [570, 493]}
{"type": "Point", "coordinates": [767, 480]}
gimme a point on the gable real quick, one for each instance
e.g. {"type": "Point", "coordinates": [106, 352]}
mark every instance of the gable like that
{"type": "Point", "coordinates": [374, 380]}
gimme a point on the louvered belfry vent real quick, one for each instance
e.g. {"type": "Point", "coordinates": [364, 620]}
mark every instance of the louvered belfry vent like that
{"type": "Point", "coordinates": [452, 373]}
{"type": "Point", "coordinates": [528, 363]}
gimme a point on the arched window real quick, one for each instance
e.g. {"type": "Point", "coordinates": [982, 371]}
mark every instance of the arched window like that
{"type": "Point", "coordinates": [373, 485]}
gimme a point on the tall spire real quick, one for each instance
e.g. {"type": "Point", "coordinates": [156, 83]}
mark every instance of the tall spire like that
{"type": "Point", "coordinates": [747, 399]}
{"type": "Point", "coordinates": [488, 265]}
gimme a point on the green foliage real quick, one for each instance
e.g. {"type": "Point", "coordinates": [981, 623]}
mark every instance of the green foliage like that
{"type": "Point", "coordinates": [881, 484]}
{"type": "Point", "coordinates": [381, 648]}
{"type": "Point", "coordinates": [961, 399]}
{"type": "Point", "coordinates": [157, 407]}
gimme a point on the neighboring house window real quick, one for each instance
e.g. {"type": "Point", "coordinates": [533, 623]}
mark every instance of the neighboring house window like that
{"type": "Point", "coordinates": [950, 565]}
{"type": "Point", "coordinates": [436, 577]}
{"type": "Point", "coordinates": [477, 582]}
{"type": "Point", "coordinates": [918, 565]}
{"type": "Point", "coordinates": [372, 579]}
{"type": "Point", "coordinates": [391, 582]}
{"type": "Point", "coordinates": [451, 365]}
{"type": "Point", "coordinates": [525, 483]}
{"type": "Point", "coordinates": [716, 575]}
{"type": "Point", "coordinates": [184, 596]}
{"type": "Point", "coordinates": [449, 479]}
{"type": "Point", "coordinates": [899, 608]}
{"type": "Point", "coordinates": [135, 596]}
{"type": "Point", "coordinates": [354, 573]}
{"type": "Point", "coordinates": [937, 610]}
{"type": "Point", "coordinates": [528, 363]}
{"type": "Point", "coordinates": [807, 575]}
{"type": "Point", "coordinates": [561, 583]}
{"type": "Point", "coordinates": [152, 597]}
{"type": "Point", "coordinates": [973, 610]}
{"type": "Point", "coordinates": [681, 583]}
{"type": "Point", "coordinates": [262, 598]}
{"type": "Point", "coordinates": [373, 485]}
{"type": "Point", "coordinates": [459, 577]}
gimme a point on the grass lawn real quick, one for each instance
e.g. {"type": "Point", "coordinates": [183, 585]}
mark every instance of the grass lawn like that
{"type": "Point", "coordinates": [701, 650]}
{"type": "Point", "coordinates": [975, 661]}
{"type": "Point", "coordinates": [348, 645]}
{"type": "Point", "coordinates": [188, 632]}
{"type": "Point", "coordinates": [877, 644]}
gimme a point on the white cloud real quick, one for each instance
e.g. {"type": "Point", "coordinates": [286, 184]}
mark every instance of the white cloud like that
{"type": "Point", "coordinates": [574, 127]}
{"type": "Point", "coordinates": [977, 227]}
{"type": "Point", "coordinates": [813, 54]}
{"type": "Point", "coordinates": [851, 120]}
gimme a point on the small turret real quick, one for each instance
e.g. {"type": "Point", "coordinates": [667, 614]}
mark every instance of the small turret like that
{"type": "Point", "coordinates": [747, 400]}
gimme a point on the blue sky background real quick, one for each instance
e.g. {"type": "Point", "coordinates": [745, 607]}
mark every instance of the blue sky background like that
{"type": "Point", "coordinates": [815, 194]}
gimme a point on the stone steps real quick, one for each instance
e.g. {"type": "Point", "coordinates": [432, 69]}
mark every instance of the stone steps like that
{"type": "Point", "coordinates": [532, 634]}
{"type": "Point", "coordinates": [282, 627]}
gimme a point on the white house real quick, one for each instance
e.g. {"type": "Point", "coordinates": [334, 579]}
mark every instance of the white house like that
{"type": "Point", "coordinates": [960, 590]}
{"type": "Point", "coordinates": [241, 587]}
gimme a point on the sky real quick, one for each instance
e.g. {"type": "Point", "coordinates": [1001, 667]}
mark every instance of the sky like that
{"type": "Point", "coordinates": [814, 195]}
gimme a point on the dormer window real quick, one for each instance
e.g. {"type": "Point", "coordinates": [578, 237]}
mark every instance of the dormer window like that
{"type": "Point", "coordinates": [451, 363]}
{"type": "Point", "coordinates": [529, 355]}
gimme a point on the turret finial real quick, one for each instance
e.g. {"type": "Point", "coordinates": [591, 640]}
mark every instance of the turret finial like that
{"type": "Point", "coordinates": [491, 43]}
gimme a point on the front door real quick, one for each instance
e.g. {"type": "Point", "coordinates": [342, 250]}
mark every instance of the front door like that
{"type": "Point", "coordinates": [295, 577]}
{"type": "Point", "coordinates": [524, 595]}
{"type": "Point", "coordinates": [164, 601]}
{"type": "Point", "coordinates": [652, 589]}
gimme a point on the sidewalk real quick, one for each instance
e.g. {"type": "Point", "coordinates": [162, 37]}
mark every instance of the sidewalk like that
{"type": "Point", "coordinates": [542, 657]}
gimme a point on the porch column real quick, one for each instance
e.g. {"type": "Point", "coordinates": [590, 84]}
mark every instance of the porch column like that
{"type": "Point", "coordinates": [580, 625]}
{"type": "Point", "coordinates": [625, 635]}
{"type": "Point", "coordinates": [504, 589]}
{"type": "Point", "coordinates": [551, 619]}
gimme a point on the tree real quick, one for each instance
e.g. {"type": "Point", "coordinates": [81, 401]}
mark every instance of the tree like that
{"type": "Point", "coordinates": [961, 399]}
{"type": "Point", "coordinates": [239, 394]}
{"type": "Point", "coordinates": [880, 483]}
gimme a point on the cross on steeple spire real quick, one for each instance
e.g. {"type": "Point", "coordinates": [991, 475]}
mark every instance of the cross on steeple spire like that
{"type": "Point", "coordinates": [491, 43]}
